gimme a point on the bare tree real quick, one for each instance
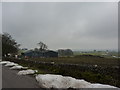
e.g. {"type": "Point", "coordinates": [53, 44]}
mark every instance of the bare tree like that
{"type": "Point", "coordinates": [42, 46]}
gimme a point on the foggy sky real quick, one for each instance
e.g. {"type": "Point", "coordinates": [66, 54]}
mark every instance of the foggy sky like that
{"type": "Point", "coordinates": [62, 25]}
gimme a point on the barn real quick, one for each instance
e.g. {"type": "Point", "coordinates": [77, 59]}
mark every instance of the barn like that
{"type": "Point", "coordinates": [51, 53]}
{"type": "Point", "coordinates": [34, 54]}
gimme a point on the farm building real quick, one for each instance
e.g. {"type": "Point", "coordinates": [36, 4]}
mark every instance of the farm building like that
{"type": "Point", "coordinates": [50, 54]}
{"type": "Point", "coordinates": [34, 54]}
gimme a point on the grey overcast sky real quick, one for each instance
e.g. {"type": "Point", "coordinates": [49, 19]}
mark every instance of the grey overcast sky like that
{"type": "Point", "coordinates": [74, 25]}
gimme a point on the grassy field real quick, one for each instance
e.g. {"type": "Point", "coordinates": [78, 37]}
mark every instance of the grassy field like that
{"type": "Point", "coordinates": [82, 60]}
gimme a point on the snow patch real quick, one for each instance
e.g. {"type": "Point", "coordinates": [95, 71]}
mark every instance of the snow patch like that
{"type": "Point", "coordinates": [11, 64]}
{"type": "Point", "coordinates": [59, 81]}
{"type": "Point", "coordinates": [102, 86]}
{"type": "Point", "coordinates": [4, 62]}
{"type": "Point", "coordinates": [25, 72]}
{"type": "Point", "coordinates": [17, 67]}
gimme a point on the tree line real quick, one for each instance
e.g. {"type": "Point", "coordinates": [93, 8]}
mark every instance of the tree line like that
{"type": "Point", "coordinates": [10, 45]}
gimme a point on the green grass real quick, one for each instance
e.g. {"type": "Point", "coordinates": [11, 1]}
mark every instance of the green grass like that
{"type": "Point", "coordinates": [40, 71]}
{"type": "Point", "coordinates": [82, 60]}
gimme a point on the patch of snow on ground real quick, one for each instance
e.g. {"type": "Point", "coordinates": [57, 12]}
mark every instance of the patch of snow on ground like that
{"type": "Point", "coordinates": [4, 62]}
{"type": "Point", "coordinates": [11, 64]}
{"type": "Point", "coordinates": [25, 72]}
{"type": "Point", "coordinates": [102, 86]}
{"type": "Point", "coordinates": [59, 81]}
{"type": "Point", "coordinates": [17, 67]}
